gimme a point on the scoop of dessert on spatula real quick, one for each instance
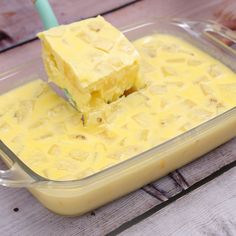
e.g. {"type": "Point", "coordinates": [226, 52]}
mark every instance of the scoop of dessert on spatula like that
{"type": "Point", "coordinates": [91, 60]}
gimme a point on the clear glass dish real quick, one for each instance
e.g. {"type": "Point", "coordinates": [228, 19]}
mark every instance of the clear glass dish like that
{"type": "Point", "coordinates": [79, 196]}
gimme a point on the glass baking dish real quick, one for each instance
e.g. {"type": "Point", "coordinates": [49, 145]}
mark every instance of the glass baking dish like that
{"type": "Point", "coordinates": [79, 196]}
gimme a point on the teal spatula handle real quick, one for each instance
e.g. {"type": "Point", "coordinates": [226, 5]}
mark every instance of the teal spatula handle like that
{"type": "Point", "coordinates": [46, 13]}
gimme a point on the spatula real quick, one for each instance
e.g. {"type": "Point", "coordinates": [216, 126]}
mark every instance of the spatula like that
{"type": "Point", "coordinates": [49, 20]}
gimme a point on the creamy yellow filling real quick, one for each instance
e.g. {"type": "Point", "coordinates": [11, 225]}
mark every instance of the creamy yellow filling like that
{"type": "Point", "coordinates": [184, 87]}
{"type": "Point", "coordinates": [92, 60]}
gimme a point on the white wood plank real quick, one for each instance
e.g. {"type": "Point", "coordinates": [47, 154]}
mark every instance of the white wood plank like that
{"type": "Point", "coordinates": [20, 21]}
{"type": "Point", "coordinates": [34, 219]}
{"type": "Point", "coordinates": [210, 163]}
{"type": "Point", "coordinates": [32, 216]}
{"type": "Point", "coordinates": [167, 186]}
{"type": "Point", "coordinates": [148, 9]}
{"type": "Point", "coordinates": [209, 210]}
{"type": "Point", "coordinates": [197, 170]}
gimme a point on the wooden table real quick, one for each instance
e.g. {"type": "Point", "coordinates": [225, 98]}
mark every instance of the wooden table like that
{"type": "Point", "coordinates": [197, 199]}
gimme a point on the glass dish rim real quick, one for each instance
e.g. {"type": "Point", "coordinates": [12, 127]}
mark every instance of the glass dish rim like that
{"type": "Point", "coordinates": [160, 148]}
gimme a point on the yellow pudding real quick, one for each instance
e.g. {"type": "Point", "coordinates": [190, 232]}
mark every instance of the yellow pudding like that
{"type": "Point", "coordinates": [184, 87]}
{"type": "Point", "coordinates": [92, 60]}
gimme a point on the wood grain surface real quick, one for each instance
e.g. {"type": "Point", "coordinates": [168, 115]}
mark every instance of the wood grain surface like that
{"type": "Point", "coordinates": [33, 219]}
{"type": "Point", "coordinates": [209, 210]}
{"type": "Point", "coordinates": [177, 206]}
{"type": "Point", "coordinates": [20, 21]}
